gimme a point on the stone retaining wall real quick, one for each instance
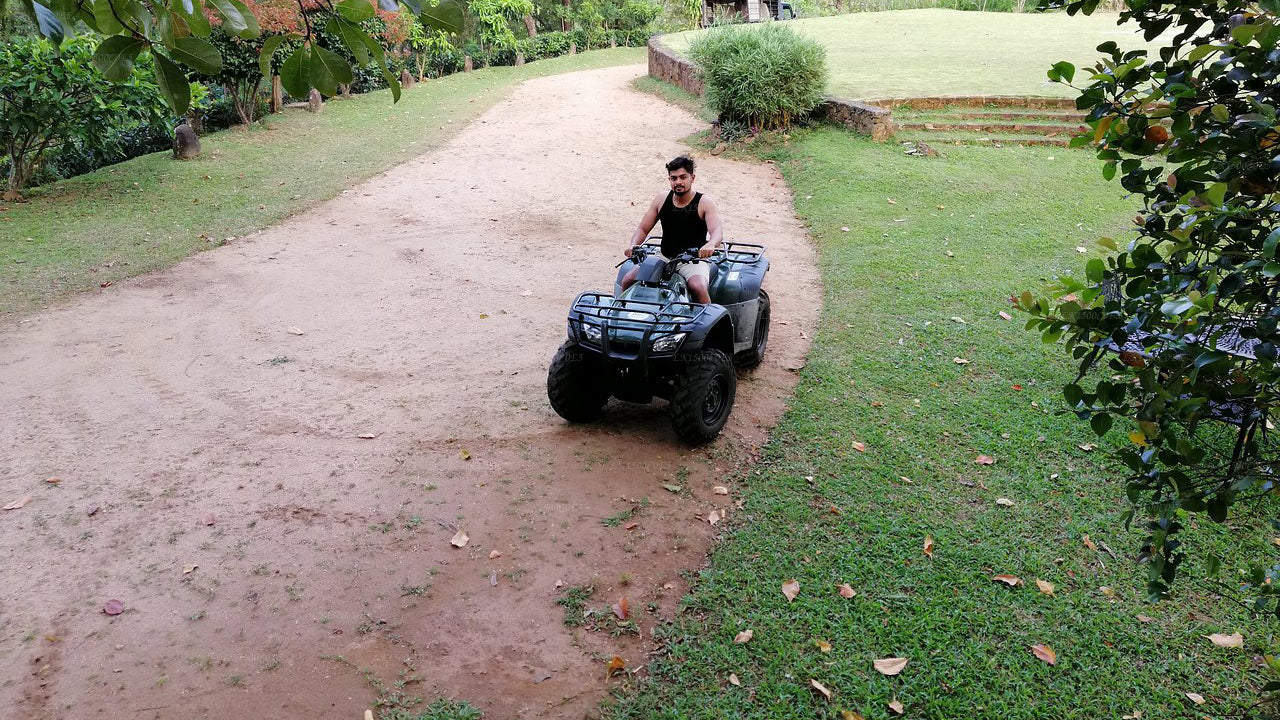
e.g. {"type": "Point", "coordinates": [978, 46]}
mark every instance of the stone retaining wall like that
{"type": "Point", "coordinates": [859, 117]}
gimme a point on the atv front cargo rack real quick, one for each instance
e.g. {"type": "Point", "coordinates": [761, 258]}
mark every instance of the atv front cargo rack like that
{"type": "Point", "coordinates": [652, 320]}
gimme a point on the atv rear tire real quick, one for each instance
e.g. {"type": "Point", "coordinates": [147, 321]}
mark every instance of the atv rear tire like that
{"type": "Point", "coordinates": [754, 355]}
{"type": "Point", "coordinates": [702, 396]}
{"type": "Point", "coordinates": [576, 384]}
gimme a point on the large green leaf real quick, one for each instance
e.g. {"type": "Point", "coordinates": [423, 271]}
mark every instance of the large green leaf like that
{"type": "Point", "coordinates": [105, 16]}
{"type": "Point", "coordinates": [355, 10]}
{"type": "Point", "coordinates": [49, 25]}
{"type": "Point", "coordinates": [294, 75]}
{"type": "Point", "coordinates": [352, 36]}
{"type": "Point", "coordinates": [380, 56]}
{"type": "Point", "coordinates": [173, 83]}
{"type": "Point", "coordinates": [233, 22]}
{"type": "Point", "coordinates": [446, 16]}
{"type": "Point", "coordinates": [114, 57]}
{"type": "Point", "coordinates": [328, 70]}
{"type": "Point", "coordinates": [197, 54]}
{"type": "Point", "coordinates": [269, 47]}
{"type": "Point", "coordinates": [250, 20]}
{"type": "Point", "coordinates": [196, 20]}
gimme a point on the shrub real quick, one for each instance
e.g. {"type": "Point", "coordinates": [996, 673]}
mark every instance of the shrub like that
{"type": "Point", "coordinates": [49, 99]}
{"type": "Point", "coordinates": [1192, 298]}
{"type": "Point", "coordinates": [765, 75]}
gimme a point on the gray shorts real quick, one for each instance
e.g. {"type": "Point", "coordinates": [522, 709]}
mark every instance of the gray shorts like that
{"type": "Point", "coordinates": [689, 270]}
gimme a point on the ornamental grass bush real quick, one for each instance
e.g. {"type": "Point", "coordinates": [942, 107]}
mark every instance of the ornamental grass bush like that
{"type": "Point", "coordinates": [764, 75]}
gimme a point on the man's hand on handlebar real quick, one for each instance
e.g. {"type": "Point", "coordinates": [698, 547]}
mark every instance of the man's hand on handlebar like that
{"type": "Point", "coordinates": [706, 251]}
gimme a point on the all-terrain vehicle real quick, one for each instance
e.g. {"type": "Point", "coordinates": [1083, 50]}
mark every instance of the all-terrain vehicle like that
{"type": "Point", "coordinates": [652, 341]}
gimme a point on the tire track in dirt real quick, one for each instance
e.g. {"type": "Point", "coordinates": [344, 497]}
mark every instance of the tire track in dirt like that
{"type": "Point", "coordinates": [180, 409]}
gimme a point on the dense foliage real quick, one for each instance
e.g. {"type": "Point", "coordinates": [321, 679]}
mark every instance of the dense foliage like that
{"type": "Point", "coordinates": [1176, 331]}
{"type": "Point", "coordinates": [54, 100]}
{"type": "Point", "coordinates": [765, 76]}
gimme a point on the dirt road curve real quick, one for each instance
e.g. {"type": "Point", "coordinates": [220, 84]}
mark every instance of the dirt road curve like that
{"type": "Point", "coordinates": [211, 470]}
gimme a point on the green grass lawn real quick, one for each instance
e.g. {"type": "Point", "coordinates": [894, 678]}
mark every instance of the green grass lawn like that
{"type": "Point", "coordinates": [919, 53]}
{"type": "Point", "coordinates": [934, 248]}
{"type": "Point", "coordinates": [153, 211]}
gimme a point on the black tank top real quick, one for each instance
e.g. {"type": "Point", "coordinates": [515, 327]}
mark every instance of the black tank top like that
{"type": "Point", "coordinates": [682, 228]}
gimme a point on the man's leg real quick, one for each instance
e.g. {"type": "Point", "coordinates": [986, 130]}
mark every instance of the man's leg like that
{"type": "Point", "coordinates": [698, 289]}
{"type": "Point", "coordinates": [630, 278]}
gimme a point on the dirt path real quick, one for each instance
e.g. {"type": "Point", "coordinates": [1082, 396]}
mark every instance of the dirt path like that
{"type": "Point", "coordinates": [188, 426]}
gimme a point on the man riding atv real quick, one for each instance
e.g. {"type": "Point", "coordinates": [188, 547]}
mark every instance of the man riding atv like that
{"type": "Point", "coordinates": [690, 221]}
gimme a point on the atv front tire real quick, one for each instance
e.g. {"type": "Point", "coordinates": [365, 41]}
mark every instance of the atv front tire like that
{"type": "Point", "coordinates": [576, 384]}
{"type": "Point", "coordinates": [702, 396]}
{"type": "Point", "coordinates": [754, 355]}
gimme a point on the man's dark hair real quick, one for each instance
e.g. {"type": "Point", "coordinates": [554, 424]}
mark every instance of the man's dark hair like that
{"type": "Point", "coordinates": [683, 162]}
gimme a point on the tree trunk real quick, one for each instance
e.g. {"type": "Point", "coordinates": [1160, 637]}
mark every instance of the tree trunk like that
{"type": "Point", "coordinates": [277, 94]}
{"type": "Point", "coordinates": [530, 26]}
{"type": "Point", "coordinates": [564, 24]}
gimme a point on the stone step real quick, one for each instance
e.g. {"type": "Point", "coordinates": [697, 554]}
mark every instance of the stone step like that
{"type": "Point", "coordinates": [1044, 130]}
{"type": "Point", "coordinates": [988, 141]}
{"type": "Point", "coordinates": [970, 114]}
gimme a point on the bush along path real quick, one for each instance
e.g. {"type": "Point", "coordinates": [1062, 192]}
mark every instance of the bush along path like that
{"type": "Point", "coordinates": [147, 213]}
{"type": "Point", "coordinates": [924, 535]}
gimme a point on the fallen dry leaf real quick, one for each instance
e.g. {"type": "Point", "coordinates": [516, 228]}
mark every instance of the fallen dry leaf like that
{"type": "Point", "coordinates": [851, 715]}
{"type": "Point", "coordinates": [1196, 698]}
{"type": "Point", "coordinates": [188, 569]}
{"type": "Point", "coordinates": [985, 460]}
{"type": "Point", "coordinates": [744, 637]}
{"type": "Point", "coordinates": [19, 503]}
{"type": "Point", "coordinates": [714, 516]}
{"type": "Point", "coordinates": [622, 609]}
{"type": "Point", "coordinates": [846, 591]}
{"type": "Point", "coordinates": [53, 481]}
{"type": "Point", "coordinates": [928, 546]}
{"type": "Point", "coordinates": [895, 706]}
{"type": "Point", "coordinates": [1045, 587]}
{"type": "Point", "coordinates": [1145, 619]}
{"type": "Point", "coordinates": [860, 446]}
{"type": "Point", "coordinates": [1081, 249]}
{"type": "Point", "coordinates": [631, 526]}
{"type": "Point", "coordinates": [465, 454]}
{"type": "Point", "coordinates": [368, 715]}
{"type": "Point", "coordinates": [820, 688]}
{"type": "Point", "coordinates": [720, 490]}
{"type": "Point", "coordinates": [822, 645]}
{"type": "Point", "coordinates": [960, 361]}
{"type": "Point", "coordinates": [494, 554]}
{"type": "Point", "coordinates": [1005, 316]}
{"type": "Point", "coordinates": [1135, 715]}
{"type": "Point", "coordinates": [1089, 543]}
{"type": "Point", "coordinates": [366, 436]}
{"type": "Point", "coordinates": [1222, 640]}
{"type": "Point", "coordinates": [1109, 593]}
{"type": "Point", "coordinates": [958, 319]}
{"type": "Point", "coordinates": [208, 519]}
{"type": "Point", "coordinates": [844, 228]}
{"type": "Point", "coordinates": [295, 331]}
{"type": "Point", "coordinates": [1045, 653]}
{"type": "Point", "coordinates": [1005, 502]}
{"type": "Point", "coordinates": [734, 681]}
{"type": "Point", "coordinates": [459, 539]}
{"type": "Point", "coordinates": [890, 666]}
{"type": "Point", "coordinates": [1010, 580]}
{"type": "Point", "coordinates": [615, 666]}
{"type": "Point", "coordinates": [1087, 447]}
{"type": "Point", "coordinates": [791, 589]}
{"type": "Point", "coordinates": [113, 607]}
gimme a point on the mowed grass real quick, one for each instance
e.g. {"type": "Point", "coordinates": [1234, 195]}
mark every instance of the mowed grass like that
{"type": "Point", "coordinates": [153, 211]}
{"type": "Point", "coordinates": [934, 248]}
{"type": "Point", "coordinates": [930, 52]}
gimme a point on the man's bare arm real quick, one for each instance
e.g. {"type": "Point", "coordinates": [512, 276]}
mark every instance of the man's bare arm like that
{"type": "Point", "coordinates": [646, 224]}
{"type": "Point", "coordinates": [715, 230]}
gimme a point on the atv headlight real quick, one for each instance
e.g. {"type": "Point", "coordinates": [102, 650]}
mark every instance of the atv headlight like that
{"type": "Point", "coordinates": [668, 343]}
{"type": "Point", "coordinates": [592, 333]}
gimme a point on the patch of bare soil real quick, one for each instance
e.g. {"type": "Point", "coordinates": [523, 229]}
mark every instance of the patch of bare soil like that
{"type": "Point", "coordinates": [265, 452]}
